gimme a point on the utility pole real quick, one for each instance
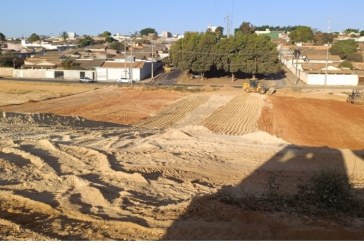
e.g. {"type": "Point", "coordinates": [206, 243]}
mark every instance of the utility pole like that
{"type": "Point", "coordinates": [125, 58]}
{"type": "Point", "coordinates": [327, 52]}
{"type": "Point", "coordinates": [152, 72]}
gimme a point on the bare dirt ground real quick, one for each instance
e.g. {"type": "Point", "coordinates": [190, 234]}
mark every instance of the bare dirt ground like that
{"type": "Point", "coordinates": [71, 176]}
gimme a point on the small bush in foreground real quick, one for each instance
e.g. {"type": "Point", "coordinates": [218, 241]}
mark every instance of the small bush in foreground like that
{"type": "Point", "coordinates": [327, 193]}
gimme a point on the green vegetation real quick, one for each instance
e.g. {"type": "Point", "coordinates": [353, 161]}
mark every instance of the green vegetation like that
{"type": "Point", "coordinates": [301, 34]}
{"type": "Point", "coordinates": [64, 35]}
{"type": "Point", "coordinates": [105, 34]}
{"type": "Point", "coordinates": [86, 41]}
{"type": "Point", "coordinates": [343, 48]}
{"type": "Point", "coordinates": [33, 38]}
{"type": "Point", "coordinates": [322, 38]}
{"type": "Point", "coordinates": [242, 53]}
{"type": "Point", "coordinates": [116, 46]}
{"type": "Point", "coordinates": [2, 37]}
{"type": "Point", "coordinates": [346, 64]}
{"type": "Point", "coordinates": [10, 60]}
{"type": "Point", "coordinates": [328, 193]}
{"type": "Point", "coordinates": [147, 31]}
{"type": "Point", "coordinates": [70, 64]}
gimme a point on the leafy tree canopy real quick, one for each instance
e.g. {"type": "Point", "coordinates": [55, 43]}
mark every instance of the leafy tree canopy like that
{"type": "Point", "coordinates": [86, 41]}
{"type": "Point", "coordinates": [116, 46]}
{"type": "Point", "coordinates": [105, 34]}
{"type": "Point", "coordinates": [242, 53]}
{"type": "Point", "coordinates": [301, 34]}
{"type": "Point", "coordinates": [64, 35]}
{"type": "Point", "coordinates": [147, 31]}
{"type": "Point", "coordinates": [322, 38]}
{"type": "Point", "coordinates": [346, 64]}
{"type": "Point", "coordinates": [343, 48]}
{"type": "Point", "coordinates": [33, 38]}
{"type": "Point", "coordinates": [109, 39]}
{"type": "Point", "coordinates": [246, 28]}
{"type": "Point", "coordinates": [350, 30]}
{"type": "Point", "coordinates": [2, 37]}
{"type": "Point", "coordinates": [11, 60]}
{"type": "Point", "coordinates": [70, 64]}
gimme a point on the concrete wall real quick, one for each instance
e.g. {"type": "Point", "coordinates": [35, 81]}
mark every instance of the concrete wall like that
{"type": "Point", "coordinates": [31, 73]}
{"type": "Point", "coordinates": [333, 79]}
{"type": "Point", "coordinates": [50, 73]}
{"type": "Point", "coordinates": [6, 72]}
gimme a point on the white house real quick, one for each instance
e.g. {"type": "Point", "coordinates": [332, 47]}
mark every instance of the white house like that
{"type": "Point", "coordinates": [45, 45]}
{"type": "Point", "coordinates": [138, 70]}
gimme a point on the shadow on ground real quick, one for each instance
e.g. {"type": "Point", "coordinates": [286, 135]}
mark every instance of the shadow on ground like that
{"type": "Point", "coordinates": [209, 218]}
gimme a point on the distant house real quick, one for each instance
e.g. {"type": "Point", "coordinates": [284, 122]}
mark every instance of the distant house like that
{"type": "Point", "coordinates": [136, 70]}
{"type": "Point", "coordinates": [272, 34]}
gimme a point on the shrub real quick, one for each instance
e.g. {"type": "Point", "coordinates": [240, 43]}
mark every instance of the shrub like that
{"type": "Point", "coordinates": [357, 57]}
{"type": "Point", "coordinates": [346, 64]}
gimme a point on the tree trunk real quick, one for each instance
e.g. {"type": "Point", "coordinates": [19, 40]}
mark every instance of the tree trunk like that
{"type": "Point", "coordinates": [202, 75]}
{"type": "Point", "coordinates": [232, 77]}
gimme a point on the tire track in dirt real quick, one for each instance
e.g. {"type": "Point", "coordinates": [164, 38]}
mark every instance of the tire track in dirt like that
{"type": "Point", "coordinates": [171, 114]}
{"type": "Point", "coordinates": [240, 116]}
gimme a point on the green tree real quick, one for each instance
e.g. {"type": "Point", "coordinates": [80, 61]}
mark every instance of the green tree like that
{"type": "Point", "coordinates": [346, 64]}
{"type": "Point", "coordinates": [343, 48]}
{"type": "Point", "coordinates": [361, 33]}
{"type": "Point", "coordinates": [64, 35]}
{"type": "Point", "coordinates": [350, 30]}
{"type": "Point", "coordinates": [205, 57]}
{"type": "Point", "coordinates": [70, 64]}
{"type": "Point", "coordinates": [242, 53]}
{"type": "Point", "coordinates": [109, 39]}
{"type": "Point", "coordinates": [2, 37]}
{"type": "Point", "coordinates": [356, 57]}
{"type": "Point", "coordinates": [147, 31]}
{"type": "Point", "coordinates": [11, 60]}
{"type": "Point", "coordinates": [322, 38]}
{"type": "Point", "coordinates": [105, 34]}
{"type": "Point", "coordinates": [33, 38]}
{"type": "Point", "coordinates": [116, 46]}
{"type": "Point", "coordinates": [301, 34]}
{"type": "Point", "coordinates": [246, 28]}
{"type": "Point", "coordinates": [86, 41]}
{"type": "Point", "coordinates": [219, 31]}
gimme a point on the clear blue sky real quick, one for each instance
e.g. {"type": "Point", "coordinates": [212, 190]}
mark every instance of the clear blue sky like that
{"type": "Point", "coordinates": [23, 17]}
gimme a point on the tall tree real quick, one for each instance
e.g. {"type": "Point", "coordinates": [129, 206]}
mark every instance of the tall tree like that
{"type": "Point", "coordinates": [322, 38]}
{"type": "Point", "coordinates": [33, 38]}
{"type": "Point", "coordinates": [301, 34]}
{"type": "Point", "coordinates": [147, 31]}
{"type": "Point", "coordinates": [105, 34]}
{"type": "Point", "coordinates": [219, 31]}
{"type": "Point", "coordinates": [351, 30]}
{"type": "Point", "coordinates": [64, 35]}
{"type": "Point", "coordinates": [116, 46]}
{"type": "Point", "coordinates": [246, 28]}
{"type": "Point", "coordinates": [86, 41]}
{"type": "Point", "coordinates": [11, 60]}
{"type": "Point", "coordinates": [344, 48]}
{"type": "Point", "coordinates": [2, 37]}
{"type": "Point", "coordinates": [70, 64]}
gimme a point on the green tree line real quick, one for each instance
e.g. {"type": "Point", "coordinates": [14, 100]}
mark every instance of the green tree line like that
{"type": "Point", "coordinates": [242, 53]}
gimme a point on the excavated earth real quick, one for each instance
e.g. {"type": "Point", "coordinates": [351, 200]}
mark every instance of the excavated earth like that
{"type": "Point", "coordinates": [117, 163]}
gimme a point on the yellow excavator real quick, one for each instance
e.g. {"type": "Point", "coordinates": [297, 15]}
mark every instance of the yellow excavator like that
{"type": "Point", "coordinates": [255, 86]}
{"type": "Point", "coordinates": [356, 97]}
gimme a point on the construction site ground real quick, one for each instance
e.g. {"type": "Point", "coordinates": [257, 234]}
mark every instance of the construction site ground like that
{"type": "Point", "coordinates": [96, 162]}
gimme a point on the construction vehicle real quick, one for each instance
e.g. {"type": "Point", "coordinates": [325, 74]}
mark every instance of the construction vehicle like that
{"type": "Point", "coordinates": [356, 97]}
{"type": "Point", "coordinates": [255, 86]}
